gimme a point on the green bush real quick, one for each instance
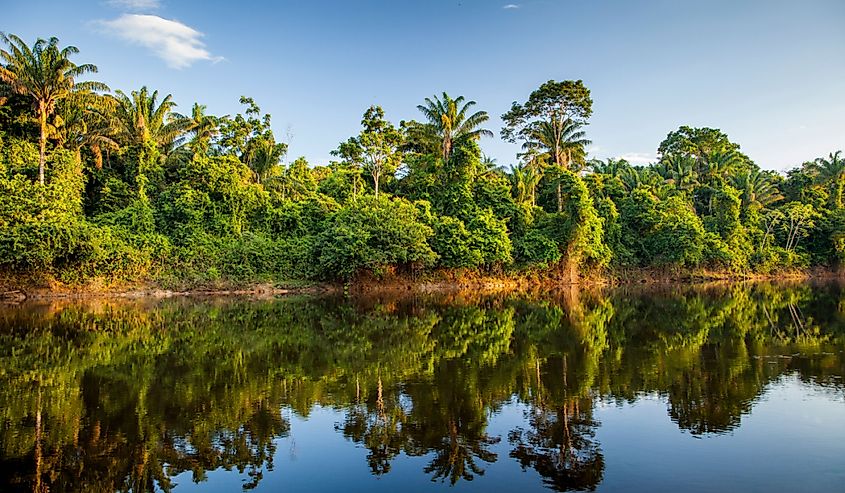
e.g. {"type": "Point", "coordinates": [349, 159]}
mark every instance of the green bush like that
{"type": "Point", "coordinates": [535, 248]}
{"type": "Point", "coordinates": [490, 238]}
{"type": "Point", "coordinates": [372, 234]}
{"type": "Point", "coordinates": [453, 243]}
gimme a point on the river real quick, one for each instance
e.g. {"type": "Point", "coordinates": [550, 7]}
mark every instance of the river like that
{"type": "Point", "coordinates": [734, 387]}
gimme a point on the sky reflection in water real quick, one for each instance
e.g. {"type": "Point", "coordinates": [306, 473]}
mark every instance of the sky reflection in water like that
{"type": "Point", "coordinates": [733, 388]}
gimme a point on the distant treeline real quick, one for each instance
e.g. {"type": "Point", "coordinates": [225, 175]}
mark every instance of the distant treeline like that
{"type": "Point", "coordinates": [104, 184]}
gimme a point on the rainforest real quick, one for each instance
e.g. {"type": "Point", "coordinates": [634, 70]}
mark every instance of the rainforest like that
{"type": "Point", "coordinates": [102, 186]}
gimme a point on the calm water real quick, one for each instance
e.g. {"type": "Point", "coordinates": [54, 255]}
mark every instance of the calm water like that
{"type": "Point", "coordinates": [732, 388]}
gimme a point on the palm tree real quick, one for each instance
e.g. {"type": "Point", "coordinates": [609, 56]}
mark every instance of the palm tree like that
{"type": "Point", "coordinates": [489, 167]}
{"type": "Point", "coordinates": [524, 180]}
{"type": "Point", "coordinates": [560, 143]}
{"type": "Point", "coordinates": [564, 144]}
{"type": "Point", "coordinates": [631, 178]}
{"type": "Point", "coordinates": [719, 164]}
{"type": "Point", "coordinates": [203, 128]}
{"type": "Point", "coordinates": [262, 155]}
{"type": "Point", "coordinates": [831, 172]}
{"type": "Point", "coordinates": [756, 189]}
{"type": "Point", "coordinates": [449, 123]}
{"type": "Point", "coordinates": [612, 167]}
{"type": "Point", "coordinates": [140, 118]}
{"type": "Point", "coordinates": [534, 164]}
{"type": "Point", "coordinates": [79, 123]}
{"type": "Point", "coordinates": [678, 170]}
{"type": "Point", "coordinates": [46, 74]}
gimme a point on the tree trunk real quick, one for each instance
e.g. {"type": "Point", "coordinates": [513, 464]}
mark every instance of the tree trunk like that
{"type": "Point", "coordinates": [42, 141]}
{"type": "Point", "coordinates": [375, 182]}
{"type": "Point", "coordinates": [559, 197]}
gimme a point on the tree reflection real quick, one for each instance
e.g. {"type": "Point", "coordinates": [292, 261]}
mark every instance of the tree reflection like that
{"type": "Point", "coordinates": [128, 395]}
{"type": "Point", "coordinates": [379, 427]}
{"type": "Point", "coordinates": [559, 442]}
{"type": "Point", "coordinates": [561, 446]}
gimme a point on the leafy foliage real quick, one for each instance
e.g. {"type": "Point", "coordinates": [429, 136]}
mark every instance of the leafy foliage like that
{"type": "Point", "coordinates": [121, 187]}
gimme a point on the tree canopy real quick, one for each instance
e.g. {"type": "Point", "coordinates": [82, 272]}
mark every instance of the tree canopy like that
{"type": "Point", "coordinates": [120, 187]}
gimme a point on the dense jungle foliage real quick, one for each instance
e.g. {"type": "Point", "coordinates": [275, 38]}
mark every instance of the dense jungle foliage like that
{"type": "Point", "coordinates": [101, 184]}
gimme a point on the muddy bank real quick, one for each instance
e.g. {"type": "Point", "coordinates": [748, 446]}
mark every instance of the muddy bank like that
{"type": "Point", "coordinates": [16, 289]}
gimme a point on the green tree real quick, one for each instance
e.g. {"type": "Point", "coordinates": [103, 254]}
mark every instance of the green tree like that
{"type": "Point", "coordinates": [373, 234]}
{"type": "Point", "coordinates": [557, 104]}
{"type": "Point", "coordinates": [80, 123]}
{"type": "Point", "coordinates": [263, 155]}
{"type": "Point", "coordinates": [46, 74]}
{"type": "Point", "coordinates": [376, 148]}
{"type": "Point", "coordinates": [696, 142]}
{"type": "Point", "coordinates": [679, 171]}
{"type": "Point", "coordinates": [449, 124]}
{"type": "Point", "coordinates": [757, 189]}
{"type": "Point", "coordinates": [564, 148]}
{"type": "Point", "coordinates": [524, 180]}
{"type": "Point", "coordinates": [203, 128]}
{"type": "Point", "coordinates": [140, 118]}
{"type": "Point", "coordinates": [830, 172]}
{"type": "Point", "coordinates": [551, 120]}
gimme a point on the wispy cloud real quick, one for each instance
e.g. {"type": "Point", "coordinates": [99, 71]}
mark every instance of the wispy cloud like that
{"type": "Point", "coordinates": [135, 5]}
{"type": "Point", "coordinates": [639, 157]}
{"type": "Point", "coordinates": [511, 6]}
{"type": "Point", "coordinates": [177, 44]}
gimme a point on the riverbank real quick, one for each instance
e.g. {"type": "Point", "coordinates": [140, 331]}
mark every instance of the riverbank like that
{"type": "Point", "coordinates": [19, 287]}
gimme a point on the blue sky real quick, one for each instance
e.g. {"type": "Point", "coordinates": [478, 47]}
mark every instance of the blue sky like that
{"type": "Point", "coordinates": [769, 73]}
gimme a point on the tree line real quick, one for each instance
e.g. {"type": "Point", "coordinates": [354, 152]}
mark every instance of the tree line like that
{"type": "Point", "coordinates": [106, 184]}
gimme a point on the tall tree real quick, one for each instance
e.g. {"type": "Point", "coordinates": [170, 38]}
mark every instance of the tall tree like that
{"type": "Point", "coordinates": [551, 119]}
{"type": "Point", "coordinates": [80, 122]}
{"type": "Point", "coordinates": [449, 123]}
{"type": "Point", "coordinates": [830, 171]}
{"type": "Point", "coordinates": [46, 74]}
{"type": "Point", "coordinates": [561, 149]}
{"type": "Point", "coordinates": [203, 128]}
{"type": "Point", "coordinates": [714, 155]}
{"type": "Point", "coordinates": [377, 147]}
{"type": "Point", "coordinates": [557, 106]}
{"type": "Point", "coordinates": [696, 142]}
{"type": "Point", "coordinates": [140, 118]}
{"type": "Point", "coordinates": [262, 155]}
{"type": "Point", "coordinates": [757, 190]}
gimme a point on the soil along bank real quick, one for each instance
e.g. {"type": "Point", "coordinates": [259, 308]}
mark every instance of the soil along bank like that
{"type": "Point", "coordinates": [18, 288]}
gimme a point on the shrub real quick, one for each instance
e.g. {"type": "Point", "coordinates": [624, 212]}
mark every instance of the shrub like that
{"type": "Point", "coordinates": [372, 234]}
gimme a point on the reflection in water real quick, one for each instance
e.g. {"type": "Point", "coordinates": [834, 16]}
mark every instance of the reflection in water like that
{"type": "Point", "coordinates": [125, 396]}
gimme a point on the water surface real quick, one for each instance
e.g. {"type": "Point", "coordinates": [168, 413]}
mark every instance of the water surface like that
{"type": "Point", "coordinates": [720, 388]}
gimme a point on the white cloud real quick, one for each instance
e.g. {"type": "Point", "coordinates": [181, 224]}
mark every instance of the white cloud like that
{"type": "Point", "coordinates": [511, 6]}
{"type": "Point", "coordinates": [177, 44]}
{"type": "Point", "coordinates": [135, 5]}
{"type": "Point", "coordinates": [639, 157]}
